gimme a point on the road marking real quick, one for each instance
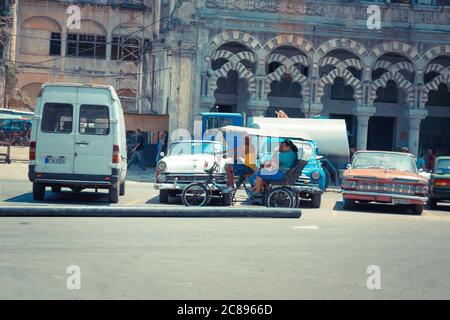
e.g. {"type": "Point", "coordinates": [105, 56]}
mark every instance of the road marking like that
{"type": "Point", "coordinates": [306, 227]}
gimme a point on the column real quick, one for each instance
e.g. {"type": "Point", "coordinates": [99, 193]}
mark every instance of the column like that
{"type": "Point", "coordinates": [363, 113]}
{"type": "Point", "coordinates": [415, 117]}
{"type": "Point", "coordinates": [258, 107]}
{"type": "Point", "coordinates": [312, 109]}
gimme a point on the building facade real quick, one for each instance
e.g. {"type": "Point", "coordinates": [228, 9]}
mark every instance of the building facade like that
{"type": "Point", "coordinates": [311, 58]}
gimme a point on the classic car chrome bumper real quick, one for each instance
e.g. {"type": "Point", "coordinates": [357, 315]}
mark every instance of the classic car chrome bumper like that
{"type": "Point", "coordinates": [383, 195]}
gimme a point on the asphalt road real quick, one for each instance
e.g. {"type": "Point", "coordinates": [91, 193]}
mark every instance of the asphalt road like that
{"type": "Point", "coordinates": [325, 254]}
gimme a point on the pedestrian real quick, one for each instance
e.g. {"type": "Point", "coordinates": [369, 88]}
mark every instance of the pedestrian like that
{"type": "Point", "coordinates": [431, 158]}
{"type": "Point", "coordinates": [421, 163]}
{"type": "Point", "coordinates": [163, 140]}
{"type": "Point", "coordinates": [352, 153]}
{"type": "Point", "coordinates": [138, 150]}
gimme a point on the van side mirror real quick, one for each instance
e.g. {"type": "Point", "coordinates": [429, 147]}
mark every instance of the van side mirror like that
{"type": "Point", "coordinates": [161, 155]}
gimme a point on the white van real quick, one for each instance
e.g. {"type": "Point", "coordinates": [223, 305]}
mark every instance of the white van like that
{"type": "Point", "coordinates": [78, 140]}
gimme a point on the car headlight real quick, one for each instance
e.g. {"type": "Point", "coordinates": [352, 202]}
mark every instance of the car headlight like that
{"type": "Point", "coordinates": [421, 189]}
{"type": "Point", "coordinates": [349, 184]}
{"type": "Point", "coordinates": [315, 175]}
{"type": "Point", "coordinates": [162, 166]}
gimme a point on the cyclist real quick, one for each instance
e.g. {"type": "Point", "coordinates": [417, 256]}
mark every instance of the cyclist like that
{"type": "Point", "coordinates": [243, 164]}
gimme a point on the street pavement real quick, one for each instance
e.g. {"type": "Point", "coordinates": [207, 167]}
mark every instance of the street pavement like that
{"type": "Point", "coordinates": [326, 254]}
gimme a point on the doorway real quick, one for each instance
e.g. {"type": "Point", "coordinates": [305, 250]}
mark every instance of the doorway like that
{"type": "Point", "coordinates": [381, 134]}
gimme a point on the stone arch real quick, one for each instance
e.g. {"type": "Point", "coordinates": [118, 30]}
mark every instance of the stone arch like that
{"type": "Point", "coordinates": [444, 77]}
{"type": "Point", "coordinates": [401, 48]}
{"type": "Point", "coordinates": [292, 40]}
{"type": "Point", "coordinates": [296, 77]}
{"type": "Point", "coordinates": [31, 90]}
{"type": "Point", "coordinates": [242, 72]}
{"type": "Point", "coordinates": [90, 26]}
{"type": "Point", "coordinates": [350, 45]}
{"type": "Point", "coordinates": [41, 23]}
{"type": "Point", "coordinates": [351, 62]}
{"type": "Point", "coordinates": [430, 55]}
{"type": "Point", "coordinates": [234, 36]}
{"type": "Point", "coordinates": [349, 80]}
{"type": "Point", "coordinates": [401, 82]}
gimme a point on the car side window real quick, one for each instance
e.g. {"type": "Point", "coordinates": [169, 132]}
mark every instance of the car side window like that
{"type": "Point", "coordinates": [57, 118]}
{"type": "Point", "coordinates": [94, 120]}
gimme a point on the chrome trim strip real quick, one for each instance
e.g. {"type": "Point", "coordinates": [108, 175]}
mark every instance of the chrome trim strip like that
{"type": "Point", "coordinates": [394, 196]}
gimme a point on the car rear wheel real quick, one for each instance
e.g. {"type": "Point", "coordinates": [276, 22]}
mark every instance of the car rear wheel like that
{"type": "Point", "coordinates": [113, 194]}
{"type": "Point", "coordinates": [38, 191]}
{"type": "Point", "coordinates": [417, 209]}
{"type": "Point", "coordinates": [122, 189]}
{"type": "Point", "coordinates": [316, 200]}
{"type": "Point", "coordinates": [349, 204]}
{"type": "Point", "coordinates": [227, 200]}
{"type": "Point", "coordinates": [163, 196]}
{"type": "Point", "coordinates": [433, 203]}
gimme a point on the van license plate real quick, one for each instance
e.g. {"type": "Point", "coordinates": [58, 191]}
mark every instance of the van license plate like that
{"type": "Point", "coordinates": [55, 160]}
{"type": "Point", "coordinates": [401, 201]}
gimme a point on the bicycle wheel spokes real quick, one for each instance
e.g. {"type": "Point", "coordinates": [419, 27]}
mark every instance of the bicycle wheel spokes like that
{"type": "Point", "coordinates": [195, 195]}
{"type": "Point", "coordinates": [280, 198]}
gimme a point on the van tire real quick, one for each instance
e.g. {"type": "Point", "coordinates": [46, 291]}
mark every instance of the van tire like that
{"type": "Point", "coordinates": [122, 189]}
{"type": "Point", "coordinates": [163, 196]}
{"type": "Point", "coordinates": [113, 194]}
{"type": "Point", "coordinates": [56, 189]}
{"type": "Point", "coordinates": [38, 191]}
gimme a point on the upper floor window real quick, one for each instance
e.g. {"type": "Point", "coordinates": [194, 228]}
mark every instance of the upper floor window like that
{"type": "Point", "coordinates": [55, 44]}
{"type": "Point", "coordinates": [125, 49]}
{"type": "Point", "coordinates": [85, 45]}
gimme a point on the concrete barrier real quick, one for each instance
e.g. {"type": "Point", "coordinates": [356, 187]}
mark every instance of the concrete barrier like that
{"type": "Point", "coordinates": [151, 212]}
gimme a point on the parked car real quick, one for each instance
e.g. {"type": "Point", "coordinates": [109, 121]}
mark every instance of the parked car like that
{"type": "Point", "coordinates": [384, 177]}
{"type": "Point", "coordinates": [78, 140]}
{"type": "Point", "coordinates": [440, 182]}
{"type": "Point", "coordinates": [185, 163]}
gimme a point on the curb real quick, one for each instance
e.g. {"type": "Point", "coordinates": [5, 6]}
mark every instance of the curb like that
{"type": "Point", "coordinates": [150, 212]}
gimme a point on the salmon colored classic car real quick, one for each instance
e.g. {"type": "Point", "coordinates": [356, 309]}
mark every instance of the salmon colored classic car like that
{"type": "Point", "coordinates": [384, 177]}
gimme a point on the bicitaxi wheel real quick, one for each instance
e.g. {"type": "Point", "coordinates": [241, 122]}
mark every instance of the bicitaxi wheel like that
{"type": "Point", "coordinates": [196, 195]}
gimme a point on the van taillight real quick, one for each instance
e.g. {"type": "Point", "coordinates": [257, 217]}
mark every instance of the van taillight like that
{"type": "Point", "coordinates": [116, 154]}
{"type": "Point", "coordinates": [32, 152]}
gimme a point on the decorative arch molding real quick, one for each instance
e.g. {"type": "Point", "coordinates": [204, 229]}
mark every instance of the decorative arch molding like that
{"type": "Point", "coordinates": [394, 67]}
{"type": "Point", "coordinates": [296, 77]}
{"type": "Point", "coordinates": [242, 71]}
{"type": "Point", "coordinates": [351, 45]}
{"type": "Point", "coordinates": [35, 23]}
{"type": "Point", "coordinates": [396, 47]}
{"type": "Point", "coordinates": [430, 55]}
{"type": "Point", "coordinates": [234, 36]}
{"type": "Point", "coordinates": [230, 56]}
{"type": "Point", "coordinates": [433, 85]}
{"type": "Point", "coordinates": [335, 62]}
{"type": "Point", "coordinates": [401, 82]}
{"type": "Point", "coordinates": [349, 80]}
{"type": "Point", "coordinates": [292, 40]}
{"type": "Point", "coordinates": [434, 67]}
{"type": "Point", "coordinates": [284, 60]}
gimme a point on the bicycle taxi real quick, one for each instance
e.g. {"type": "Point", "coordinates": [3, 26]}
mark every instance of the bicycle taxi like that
{"type": "Point", "coordinates": [285, 193]}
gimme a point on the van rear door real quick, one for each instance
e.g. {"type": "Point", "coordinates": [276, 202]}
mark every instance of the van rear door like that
{"type": "Point", "coordinates": [94, 132]}
{"type": "Point", "coordinates": [55, 132]}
